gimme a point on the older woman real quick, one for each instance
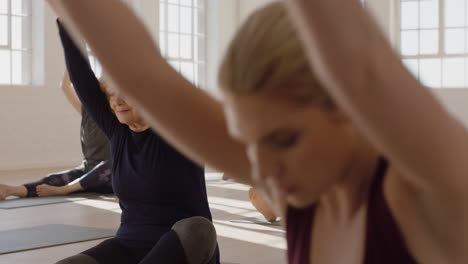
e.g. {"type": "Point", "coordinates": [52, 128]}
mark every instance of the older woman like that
{"type": "Point", "coordinates": [162, 194]}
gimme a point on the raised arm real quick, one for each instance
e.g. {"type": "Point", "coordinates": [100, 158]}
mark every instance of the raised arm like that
{"type": "Point", "coordinates": [70, 93]}
{"type": "Point", "coordinates": [86, 85]}
{"type": "Point", "coordinates": [187, 117]}
{"type": "Point", "coordinates": [358, 67]}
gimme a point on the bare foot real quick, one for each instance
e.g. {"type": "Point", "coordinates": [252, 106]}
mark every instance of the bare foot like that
{"type": "Point", "coordinates": [261, 205]}
{"type": "Point", "coordinates": [4, 191]}
{"type": "Point", "coordinates": [8, 190]}
{"type": "Point", "coordinates": [45, 190]}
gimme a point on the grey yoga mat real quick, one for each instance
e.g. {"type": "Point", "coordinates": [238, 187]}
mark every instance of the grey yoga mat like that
{"type": "Point", "coordinates": [48, 235]}
{"type": "Point", "coordinates": [256, 220]}
{"type": "Point", "coordinates": [12, 203]}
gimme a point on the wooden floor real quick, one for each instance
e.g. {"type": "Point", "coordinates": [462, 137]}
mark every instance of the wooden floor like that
{"type": "Point", "coordinates": [239, 243]}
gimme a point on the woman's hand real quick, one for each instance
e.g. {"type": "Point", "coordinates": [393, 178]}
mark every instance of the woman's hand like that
{"type": "Point", "coordinates": [269, 189]}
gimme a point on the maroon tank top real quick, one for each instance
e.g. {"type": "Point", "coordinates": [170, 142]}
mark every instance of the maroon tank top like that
{"type": "Point", "coordinates": [384, 242]}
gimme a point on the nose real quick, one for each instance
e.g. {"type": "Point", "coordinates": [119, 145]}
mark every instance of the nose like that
{"type": "Point", "coordinates": [119, 100]}
{"type": "Point", "coordinates": [116, 100]}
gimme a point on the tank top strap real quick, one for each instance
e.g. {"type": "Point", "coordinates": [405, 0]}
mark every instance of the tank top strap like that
{"type": "Point", "coordinates": [379, 175]}
{"type": "Point", "coordinates": [298, 231]}
{"type": "Point", "coordinates": [384, 242]}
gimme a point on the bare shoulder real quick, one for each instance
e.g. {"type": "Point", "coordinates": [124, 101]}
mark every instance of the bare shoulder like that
{"type": "Point", "coordinates": [433, 226]}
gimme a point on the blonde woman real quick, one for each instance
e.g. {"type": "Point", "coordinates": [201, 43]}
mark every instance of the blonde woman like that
{"type": "Point", "coordinates": [355, 182]}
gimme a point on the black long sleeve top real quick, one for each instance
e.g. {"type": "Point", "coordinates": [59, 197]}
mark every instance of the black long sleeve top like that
{"type": "Point", "coordinates": [156, 185]}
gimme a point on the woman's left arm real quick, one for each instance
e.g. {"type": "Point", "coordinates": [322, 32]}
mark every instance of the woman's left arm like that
{"type": "Point", "coordinates": [402, 118]}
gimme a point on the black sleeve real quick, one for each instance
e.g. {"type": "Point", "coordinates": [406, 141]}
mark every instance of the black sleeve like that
{"type": "Point", "coordinates": [86, 85]}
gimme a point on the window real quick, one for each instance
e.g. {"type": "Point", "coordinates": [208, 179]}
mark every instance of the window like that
{"type": "Point", "coordinates": [182, 37]}
{"type": "Point", "coordinates": [15, 42]}
{"type": "Point", "coordinates": [433, 41]}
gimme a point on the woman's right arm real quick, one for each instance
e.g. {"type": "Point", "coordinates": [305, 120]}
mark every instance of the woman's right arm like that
{"type": "Point", "coordinates": [187, 117]}
{"type": "Point", "coordinates": [86, 85]}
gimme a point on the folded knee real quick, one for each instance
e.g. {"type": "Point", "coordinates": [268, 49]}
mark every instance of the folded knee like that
{"type": "Point", "coordinates": [198, 238]}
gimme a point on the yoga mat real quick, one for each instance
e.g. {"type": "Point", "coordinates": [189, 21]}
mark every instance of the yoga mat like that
{"type": "Point", "coordinates": [14, 202]}
{"type": "Point", "coordinates": [47, 236]}
{"type": "Point", "coordinates": [257, 220]}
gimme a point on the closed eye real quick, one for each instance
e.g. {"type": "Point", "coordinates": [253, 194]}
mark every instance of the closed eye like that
{"type": "Point", "coordinates": [282, 140]}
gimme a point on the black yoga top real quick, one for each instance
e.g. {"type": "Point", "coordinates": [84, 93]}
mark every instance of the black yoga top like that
{"type": "Point", "coordinates": [156, 185]}
{"type": "Point", "coordinates": [384, 242]}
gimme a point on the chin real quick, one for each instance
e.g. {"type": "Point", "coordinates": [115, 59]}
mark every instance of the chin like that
{"type": "Point", "coordinates": [299, 202]}
{"type": "Point", "coordinates": [122, 121]}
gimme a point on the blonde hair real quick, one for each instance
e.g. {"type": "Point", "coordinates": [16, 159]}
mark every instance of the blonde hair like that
{"type": "Point", "coordinates": [266, 54]}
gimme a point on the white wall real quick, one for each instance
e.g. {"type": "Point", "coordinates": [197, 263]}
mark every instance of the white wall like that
{"type": "Point", "coordinates": [38, 127]}
{"type": "Point", "coordinates": [222, 24]}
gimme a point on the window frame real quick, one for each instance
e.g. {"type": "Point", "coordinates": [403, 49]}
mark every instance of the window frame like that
{"type": "Point", "coordinates": [200, 66]}
{"type": "Point", "coordinates": [441, 54]}
{"type": "Point", "coordinates": [27, 62]}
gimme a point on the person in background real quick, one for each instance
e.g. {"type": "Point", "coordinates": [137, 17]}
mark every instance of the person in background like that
{"type": "Point", "coordinates": [94, 173]}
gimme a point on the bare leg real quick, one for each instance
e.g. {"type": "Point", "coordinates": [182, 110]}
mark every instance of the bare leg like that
{"type": "Point", "coordinates": [261, 205]}
{"type": "Point", "coordinates": [45, 190]}
{"type": "Point", "coordinates": [8, 190]}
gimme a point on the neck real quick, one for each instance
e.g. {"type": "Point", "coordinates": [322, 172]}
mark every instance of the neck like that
{"type": "Point", "coordinates": [346, 198]}
{"type": "Point", "coordinates": [138, 126]}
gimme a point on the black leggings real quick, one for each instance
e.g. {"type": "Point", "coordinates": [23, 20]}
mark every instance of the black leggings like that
{"type": "Point", "coordinates": [99, 179]}
{"type": "Point", "coordinates": [168, 250]}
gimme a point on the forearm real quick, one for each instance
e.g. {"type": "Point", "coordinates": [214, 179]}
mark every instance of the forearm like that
{"type": "Point", "coordinates": [70, 188]}
{"type": "Point", "coordinates": [187, 117]}
{"type": "Point", "coordinates": [194, 123]}
{"type": "Point", "coordinates": [338, 34]}
{"type": "Point", "coordinates": [70, 93]}
{"type": "Point", "coordinates": [358, 67]}
{"type": "Point", "coordinates": [86, 84]}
